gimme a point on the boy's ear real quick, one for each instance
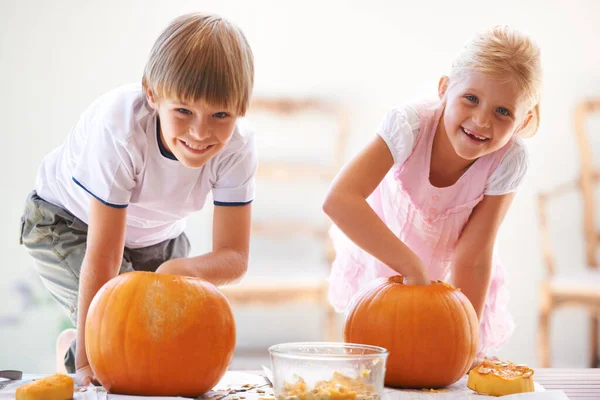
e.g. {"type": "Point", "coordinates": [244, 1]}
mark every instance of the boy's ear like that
{"type": "Point", "coordinates": [150, 98]}
{"type": "Point", "coordinates": [443, 86]}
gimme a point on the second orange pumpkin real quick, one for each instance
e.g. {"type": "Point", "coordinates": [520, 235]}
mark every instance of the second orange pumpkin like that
{"type": "Point", "coordinates": [430, 331]}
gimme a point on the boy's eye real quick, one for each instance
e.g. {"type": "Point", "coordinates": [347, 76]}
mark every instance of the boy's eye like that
{"type": "Point", "coordinates": [503, 111]}
{"type": "Point", "coordinates": [184, 111]}
{"type": "Point", "coordinates": [221, 115]}
{"type": "Point", "coordinates": [472, 98]}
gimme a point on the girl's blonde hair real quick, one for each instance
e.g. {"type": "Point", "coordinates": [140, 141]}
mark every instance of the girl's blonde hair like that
{"type": "Point", "coordinates": [202, 57]}
{"type": "Point", "coordinates": [508, 55]}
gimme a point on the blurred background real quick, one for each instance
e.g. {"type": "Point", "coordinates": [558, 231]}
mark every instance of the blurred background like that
{"type": "Point", "coordinates": [326, 73]}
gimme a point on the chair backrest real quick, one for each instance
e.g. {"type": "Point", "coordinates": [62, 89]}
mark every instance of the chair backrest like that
{"type": "Point", "coordinates": [589, 177]}
{"type": "Point", "coordinates": [291, 107]}
{"type": "Point", "coordinates": [288, 154]}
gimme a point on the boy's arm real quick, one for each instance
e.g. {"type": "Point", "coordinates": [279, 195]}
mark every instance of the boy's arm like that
{"type": "Point", "coordinates": [346, 205]}
{"type": "Point", "coordinates": [472, 262]}
{"type": "Point", "coordinates": [102, 261]}
{"type": "Point", "coordinates": [228, 260]}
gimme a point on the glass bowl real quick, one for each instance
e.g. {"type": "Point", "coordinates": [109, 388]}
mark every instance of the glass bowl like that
{"type": "Point", "coordinates": [322, 371]}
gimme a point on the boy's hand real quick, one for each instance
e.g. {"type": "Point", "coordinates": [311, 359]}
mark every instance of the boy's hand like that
{"type": "Point", "coordinates": [174, 267]}
{"type": "Point", "coordinates": [84, 376]}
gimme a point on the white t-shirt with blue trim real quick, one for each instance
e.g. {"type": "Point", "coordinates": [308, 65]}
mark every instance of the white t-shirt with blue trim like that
{"type": "Point", "coordinates": [114, 153]}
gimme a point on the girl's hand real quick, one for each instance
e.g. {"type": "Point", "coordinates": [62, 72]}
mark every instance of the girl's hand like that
{"type": "Point", "coordinates": [419, 278]}
{"type": "Point", "coordinates": [347, 206]}
{"type": "Point", "coordinates": [479, 359]}
{"type": "Point", "coordinates": [472, 262]}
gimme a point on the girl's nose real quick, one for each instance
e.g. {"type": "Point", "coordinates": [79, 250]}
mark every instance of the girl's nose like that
{"type": "Point", "coordinates": [481, 119]}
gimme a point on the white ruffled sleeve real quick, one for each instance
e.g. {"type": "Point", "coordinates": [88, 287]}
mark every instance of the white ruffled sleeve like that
{"type": "Point", "coordinates": [399, 130]}
{"type": "Point", "coordinates": [509, 174]}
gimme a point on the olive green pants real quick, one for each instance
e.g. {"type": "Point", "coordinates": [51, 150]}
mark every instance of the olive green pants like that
{"type": "Point", "coordinates": [57, 241]}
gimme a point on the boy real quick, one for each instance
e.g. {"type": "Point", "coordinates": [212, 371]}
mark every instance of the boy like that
{"type": "Point", "coordinates": [114, 197]}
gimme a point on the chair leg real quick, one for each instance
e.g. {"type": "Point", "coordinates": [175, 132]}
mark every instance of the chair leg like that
{"type": "Point", "coordinates": [594, 342]}
{"type": "Point", "coordinates": [544, 332]}
{"type": "Point", "coordinates": [330, 316]}
{"type": "Point", "coordinates": [544, 340]}
{"type": "Point", "coordinates": [331, 324]}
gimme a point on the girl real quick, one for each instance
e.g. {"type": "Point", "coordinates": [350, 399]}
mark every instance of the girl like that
{"type": "Point", "coordinates": [426, 197]}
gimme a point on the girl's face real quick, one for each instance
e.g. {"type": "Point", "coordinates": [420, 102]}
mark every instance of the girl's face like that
{"type": "Point", "coordinates": [481, 113]}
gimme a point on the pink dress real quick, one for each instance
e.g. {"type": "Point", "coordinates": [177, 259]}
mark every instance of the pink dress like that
{"type": "Point", "coordinates": [429, 219]}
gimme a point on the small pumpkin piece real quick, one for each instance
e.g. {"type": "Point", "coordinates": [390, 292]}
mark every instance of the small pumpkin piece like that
{"type": "Point", "coordinates": [53, 387]}
{"type": "Point", "coordinates": [500, 378]}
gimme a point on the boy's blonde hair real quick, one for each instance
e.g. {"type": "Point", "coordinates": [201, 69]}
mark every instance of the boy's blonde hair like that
{"type": "Point", "coordinates": [202, 57]}
{"type": "Point", "coordinates": [509, 55]}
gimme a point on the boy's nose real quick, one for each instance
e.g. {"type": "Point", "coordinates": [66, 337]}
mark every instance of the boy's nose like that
{"type": "Point", "coordinates": [199, 132]}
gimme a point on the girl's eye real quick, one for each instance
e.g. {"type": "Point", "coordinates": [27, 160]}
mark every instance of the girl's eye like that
{"type": "Point", "coordinates": [503, 111]}
{"type": "Point", "coordinates": [221, 115]}
{"type": "Point", "coordinates": [184, 111]}
{"type": "Point", "coordinates": [472, 98]}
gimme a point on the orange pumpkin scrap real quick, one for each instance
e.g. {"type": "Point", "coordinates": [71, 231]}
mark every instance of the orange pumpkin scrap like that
{"type": "Point", "coordinates": [500, 378]}
{"type": "Point", "coordinates": [159, 335]}
{"type": "Point", "coordinates": [53, 387]}
{"type": "Point", "coordinates": [431, 332]}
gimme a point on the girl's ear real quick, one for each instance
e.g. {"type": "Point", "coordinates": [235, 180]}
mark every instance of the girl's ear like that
{"type": "Point", "coordinates": [525, 122]}
{"type": "Point", "coordinates": [443, 86]}
{"type": "Point", "coordinates": [150, 99]}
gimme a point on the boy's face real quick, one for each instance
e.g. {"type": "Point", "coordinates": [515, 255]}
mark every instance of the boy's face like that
{"type": "Point", "coordinates": [194, 132]}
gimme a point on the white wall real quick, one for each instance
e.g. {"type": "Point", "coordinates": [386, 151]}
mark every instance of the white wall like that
{"type": "Point", "coordinates": [56, 57]}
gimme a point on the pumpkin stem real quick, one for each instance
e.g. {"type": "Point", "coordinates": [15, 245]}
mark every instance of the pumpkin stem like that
{"type": "Point", "coordinates": [397, 279]}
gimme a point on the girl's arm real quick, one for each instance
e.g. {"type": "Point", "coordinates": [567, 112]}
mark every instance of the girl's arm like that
{"type": "Point", "coordinates": [102, 261]}
{"type": "Point", "coordinates": [472, 262]}
{"type": "Point", "coordinates": [346, 205]}
{"type": "Point", "coordinates": [228, 260]}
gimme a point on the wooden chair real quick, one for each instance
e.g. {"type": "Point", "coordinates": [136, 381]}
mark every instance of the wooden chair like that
{"type": "Point", "coordinates": [574, 289]}
{"type": "Point", "coordinates": [267, 290]}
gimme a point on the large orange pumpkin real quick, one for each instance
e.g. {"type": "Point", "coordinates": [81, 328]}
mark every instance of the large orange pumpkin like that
{"type": "Point", "coordinates": [159, 335]}
{"type": "Point", "coordinates": [431, 332]}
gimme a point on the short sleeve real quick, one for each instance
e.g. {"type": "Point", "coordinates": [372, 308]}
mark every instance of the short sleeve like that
{"type": "Point", "coordinates": [511, 170]}
{"type": "Point", "coordinates": [105, 166]}
{"type": "Point", "coordinates": [234, 185]}
{"type": "Point", "coordinates": [399, 129]}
